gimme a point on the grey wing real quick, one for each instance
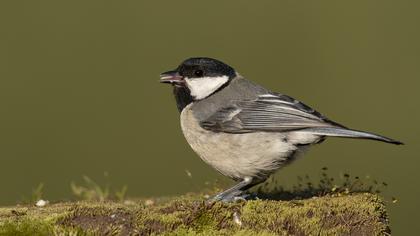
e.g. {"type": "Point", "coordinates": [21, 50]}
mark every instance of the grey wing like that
{"type": "Point", "coordinates": [269, 112]}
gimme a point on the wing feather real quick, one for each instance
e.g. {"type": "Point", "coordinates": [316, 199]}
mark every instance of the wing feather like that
{"type": "Point", "coordinates": [269, 112]}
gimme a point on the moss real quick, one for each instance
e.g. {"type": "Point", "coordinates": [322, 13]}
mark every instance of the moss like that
{"type": "Point", "coordinates": [355, 214]}
{"type": "Point", "coordinates": [26, 227]}
{"type": "Point", "coordinates": [326, 216]}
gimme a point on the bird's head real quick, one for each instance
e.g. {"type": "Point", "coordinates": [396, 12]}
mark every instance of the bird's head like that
{"type": "Point", "coordinates": [201, 75]}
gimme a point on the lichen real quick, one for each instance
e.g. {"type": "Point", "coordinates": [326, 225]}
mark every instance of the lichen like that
{"type": "Point", "coordinates": [353, 214]}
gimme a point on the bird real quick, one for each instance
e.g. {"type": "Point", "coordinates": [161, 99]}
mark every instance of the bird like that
{"type": "Point", "coordinates": [243, 130]}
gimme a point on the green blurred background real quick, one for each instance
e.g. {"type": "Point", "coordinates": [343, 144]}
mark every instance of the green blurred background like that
{"type": "Point", "coordinates": [80, 94]}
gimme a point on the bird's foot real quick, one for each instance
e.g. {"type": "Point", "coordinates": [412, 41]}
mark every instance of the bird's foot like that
{"type": "Point", "coordinates": [231, 197]}
{"type": "Point", "coordinates": [234, 193]}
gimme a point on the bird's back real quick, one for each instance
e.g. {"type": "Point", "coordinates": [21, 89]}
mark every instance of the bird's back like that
{"type": "Point", "coordinates": [238, 89]}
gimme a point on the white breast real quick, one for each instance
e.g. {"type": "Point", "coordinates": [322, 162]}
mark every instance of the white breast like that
{"type": "Point", "coordinates": [238, 155]}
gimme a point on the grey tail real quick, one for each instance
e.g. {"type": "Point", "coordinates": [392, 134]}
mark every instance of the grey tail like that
{"type": "Point", "coordinates": [349, 133]}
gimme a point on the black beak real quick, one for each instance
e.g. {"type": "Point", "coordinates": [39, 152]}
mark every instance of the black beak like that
{"type": "Point", "coordinates": [171, 77]}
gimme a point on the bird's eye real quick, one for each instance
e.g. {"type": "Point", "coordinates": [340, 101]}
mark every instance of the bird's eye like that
{"type": "Point", "coordinates": [198, 73]}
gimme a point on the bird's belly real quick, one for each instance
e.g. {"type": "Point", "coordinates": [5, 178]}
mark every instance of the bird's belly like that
{"type": "Point", "coordinates": [238, 155]}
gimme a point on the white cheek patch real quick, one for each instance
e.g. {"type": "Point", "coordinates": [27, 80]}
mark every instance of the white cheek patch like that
{"type": "Point", "coordinates": [202, 87]}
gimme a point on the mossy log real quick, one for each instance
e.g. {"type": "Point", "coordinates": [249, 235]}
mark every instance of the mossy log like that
{"type": "Point", "coordinates": [354, 214]}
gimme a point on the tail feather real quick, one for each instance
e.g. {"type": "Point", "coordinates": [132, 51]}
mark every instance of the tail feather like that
{"type": "Point", "coordinates": [349, 133]}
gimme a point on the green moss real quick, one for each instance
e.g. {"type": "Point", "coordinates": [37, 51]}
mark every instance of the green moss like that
{"type": "Point", "coordinates": [358, 214]}
{"type": "Point", "coordinates": [26, 227]}
{"type": "Point", "coordinates": [326, 215]}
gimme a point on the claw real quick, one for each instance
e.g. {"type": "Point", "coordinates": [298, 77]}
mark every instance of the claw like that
{"type": "Point", "coordinates": [232, 197]}
{"type": "Point", "coordinates": [233, 193]}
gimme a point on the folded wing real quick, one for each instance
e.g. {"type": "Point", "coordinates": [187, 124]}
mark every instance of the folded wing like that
{"type": "Point", "coordinates": [269, 112]}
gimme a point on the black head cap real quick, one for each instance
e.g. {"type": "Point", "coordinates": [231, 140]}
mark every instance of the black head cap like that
{"type": "Point", "coordinates": [197, 67]}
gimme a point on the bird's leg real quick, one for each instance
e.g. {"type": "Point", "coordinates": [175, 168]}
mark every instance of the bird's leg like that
{"type": "Point", "coordinates": [234, 192]}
